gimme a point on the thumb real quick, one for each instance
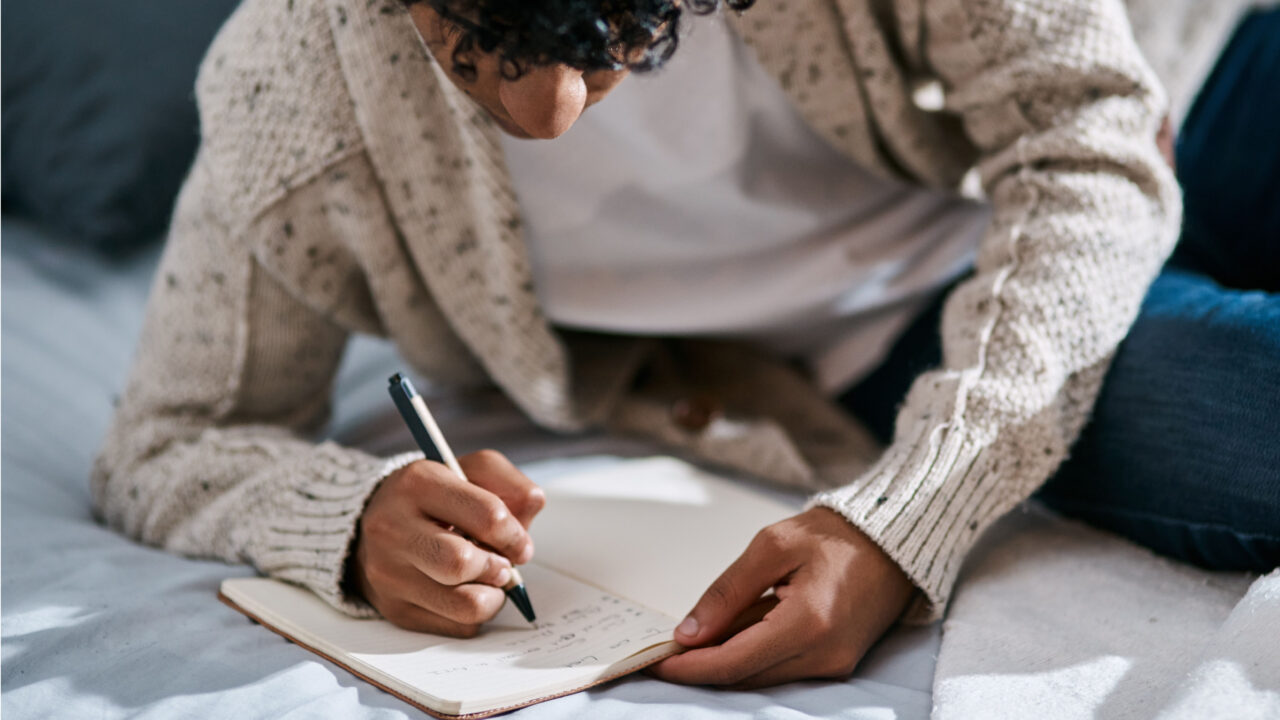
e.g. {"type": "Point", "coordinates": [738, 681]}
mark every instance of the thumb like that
{"type": "Point", "coordinates": [759, 568]}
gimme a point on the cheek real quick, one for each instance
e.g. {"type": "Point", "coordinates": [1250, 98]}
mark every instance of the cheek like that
{"type": "Point", "coordinates": [600, 84]}
{"type": "Point", "coordinates": [606, 80]}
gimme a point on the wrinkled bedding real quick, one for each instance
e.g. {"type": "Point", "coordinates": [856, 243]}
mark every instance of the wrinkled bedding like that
{"type": "Point", "coordinates": [95, 625]}
{"type": "Point", "coordinates": [1054, 619]}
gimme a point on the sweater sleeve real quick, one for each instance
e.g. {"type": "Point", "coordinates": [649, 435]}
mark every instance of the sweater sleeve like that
{"type": "Point", "coordinates": [211, 450]}
{"type": "Point", "coordinates": [1064, 112]}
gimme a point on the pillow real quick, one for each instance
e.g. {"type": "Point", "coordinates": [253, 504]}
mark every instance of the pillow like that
{"type": "Point", "coordinates": [99, 116]}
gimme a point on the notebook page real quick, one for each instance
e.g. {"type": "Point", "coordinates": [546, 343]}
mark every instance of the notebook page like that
{"type": "Point", "coordinates": [656, 530]}
{"type": "Point", "coordinates": [582, 634]}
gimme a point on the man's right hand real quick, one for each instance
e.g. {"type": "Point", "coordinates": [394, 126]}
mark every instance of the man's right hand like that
{"type": "Point", "coordinates": [423, 576]}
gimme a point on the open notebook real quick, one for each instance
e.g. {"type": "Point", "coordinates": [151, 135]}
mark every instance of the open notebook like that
{"type": "Point", "coordinates": [621, 555]}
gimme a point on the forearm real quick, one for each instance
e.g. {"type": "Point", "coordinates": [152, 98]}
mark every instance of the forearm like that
{"type": "Point", "coordinates": [1065, 114]}
{"type": "Point", "coordinates": [247, 493]}
{"type": "Point", "coordinates": [211, 451]}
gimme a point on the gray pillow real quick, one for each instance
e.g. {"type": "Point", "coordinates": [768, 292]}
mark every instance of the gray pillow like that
{"type": "Point", "coordinates": [99, 117]}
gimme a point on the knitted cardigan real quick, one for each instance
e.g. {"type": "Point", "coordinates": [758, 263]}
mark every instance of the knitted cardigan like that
{"type": "Point", "coordinates": [344, 185]}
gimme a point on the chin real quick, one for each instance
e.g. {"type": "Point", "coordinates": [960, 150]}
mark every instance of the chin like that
{"type": "Point", "coordinates": [509, 127]}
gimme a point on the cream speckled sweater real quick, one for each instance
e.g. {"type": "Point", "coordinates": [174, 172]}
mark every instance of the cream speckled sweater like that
{"type": "Point", "coordinates": [344, 185]}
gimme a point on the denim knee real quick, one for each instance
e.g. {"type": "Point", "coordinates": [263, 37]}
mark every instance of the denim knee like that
{"type": "Point", "coordinates": [1182, 452]}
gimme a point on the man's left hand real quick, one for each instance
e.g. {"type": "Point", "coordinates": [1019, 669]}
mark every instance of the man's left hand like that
{"type": "Point", "coordinates": [835, 594]}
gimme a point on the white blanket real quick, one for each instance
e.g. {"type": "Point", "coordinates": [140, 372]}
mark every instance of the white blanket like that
{"type": "Point", "coordinates": [1054, 619]}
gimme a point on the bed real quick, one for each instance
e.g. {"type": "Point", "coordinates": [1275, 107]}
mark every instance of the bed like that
{"type": "Point", "coordinates": [1049, 619]}
{"type": "Point", "coordinates": [96, 625]}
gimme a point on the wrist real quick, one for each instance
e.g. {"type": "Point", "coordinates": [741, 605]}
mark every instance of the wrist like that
{"type": "Point", "coordinates": [351, 582]}
{"type": "Point", "coordinates": [873, 563]}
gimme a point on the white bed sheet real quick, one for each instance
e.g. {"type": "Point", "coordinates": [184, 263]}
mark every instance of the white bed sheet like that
{"type": "Point", "coordinates": [95, 625]}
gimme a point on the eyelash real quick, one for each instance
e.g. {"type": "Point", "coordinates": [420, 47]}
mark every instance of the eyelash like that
{"type": "Point", "coordinates": [452, 30]}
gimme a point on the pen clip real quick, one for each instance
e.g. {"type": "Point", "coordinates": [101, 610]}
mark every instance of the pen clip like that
{"type": "Point", "coordinates": [402, 390]}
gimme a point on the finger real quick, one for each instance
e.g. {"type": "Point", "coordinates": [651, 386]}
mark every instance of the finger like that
{"type": "Point", "coordinates": [450, 559]}
{"type": "Point", "coordinates": [752, 615]}
{"type": "Point", "coordinates": [749, 617]}
{"type": "Point", "coordinates": [779, 636]}
{"type": "Point", "coordinates": [804, 666]}
{"type": "Point", "coordinates": [799, 667]}
{"type": "Point", "coordinates": [474, 511]}
{"type": "Point", "coordinates": [466, 604]}
{"type": "Point", "coordinates": [492, 471]}
{"type": "Point", "coordinates": [412, 617]}
{"type": "Point", "coordinates": [759, 568]}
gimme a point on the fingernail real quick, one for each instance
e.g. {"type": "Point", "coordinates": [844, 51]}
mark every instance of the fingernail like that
{"type": "Point", "coordinates": [689, 627]}
{"type": "Point", "coordinates": [504, 577]}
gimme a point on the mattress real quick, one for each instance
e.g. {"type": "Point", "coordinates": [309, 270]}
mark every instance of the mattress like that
{"type": "Point", "coordinates": [96, 625]}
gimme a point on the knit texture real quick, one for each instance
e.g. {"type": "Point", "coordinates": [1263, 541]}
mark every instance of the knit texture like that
{"type": "Point", "coordinates": [345, 185]}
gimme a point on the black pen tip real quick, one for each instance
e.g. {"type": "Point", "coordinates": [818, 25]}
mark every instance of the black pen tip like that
{"type": "Point", "coordinates": [394, 379]}
{"type": "Point", "coordinates": [520, 597]}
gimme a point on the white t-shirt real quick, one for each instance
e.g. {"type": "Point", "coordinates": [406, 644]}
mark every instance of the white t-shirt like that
{"type": "Point", "coordinates": [696, 201]}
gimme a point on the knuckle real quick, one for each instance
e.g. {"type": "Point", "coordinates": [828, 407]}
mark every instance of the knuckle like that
{"type": "Point", "coordinates": [470, 611]}
{"type": "Point", "coordinates": [456, 563]}
{"type": "Point", "coordinates": [493, 516]}
{"type": "Point", "coordinates": [396, 480]}
{"type": "Point", "coordinates": [472, 605]}
{"type": "Point", "coordinates": [535, 499]}
{"type": "Point", "coordinates": [818, 624]}
{"type": "Point", "coordinates": [412, 473]}
{"type": "Point", "coordinates": [474, 608]}
{"type": "Point", "coordinates": [838, 664]}
{"type": "Point", "coordinates": [489, 459]}
{"type": "Point", "coordinates": [767, 540]}
{"type": "Point", "coordinates": [418, 478]}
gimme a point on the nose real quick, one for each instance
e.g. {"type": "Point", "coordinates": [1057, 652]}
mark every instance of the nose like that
{"type": "Point", "coordinates": [545, 101]}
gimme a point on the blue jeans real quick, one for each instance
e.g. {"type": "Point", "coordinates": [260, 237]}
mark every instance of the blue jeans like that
{"type": "Point", "coordinates": [1182, 452]}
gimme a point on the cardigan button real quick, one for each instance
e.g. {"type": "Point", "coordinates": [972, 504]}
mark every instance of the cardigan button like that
{"type": "Point", "coordinates": [695, 413]}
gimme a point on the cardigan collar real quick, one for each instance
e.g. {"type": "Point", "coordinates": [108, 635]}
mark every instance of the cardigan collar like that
{"type": "Point", "coordinates": [446, 183]}
{"type": "Point", "coordinates": [439, 161]}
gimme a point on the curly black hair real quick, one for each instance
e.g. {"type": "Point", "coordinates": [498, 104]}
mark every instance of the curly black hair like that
{"type": "Point", "coordinates": [639, 35]}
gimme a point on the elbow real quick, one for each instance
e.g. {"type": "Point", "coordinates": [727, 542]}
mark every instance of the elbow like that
{"type": "Point", "coordinates": [109, 498]}
{"type": "Point", "coordinates": [117, 478]}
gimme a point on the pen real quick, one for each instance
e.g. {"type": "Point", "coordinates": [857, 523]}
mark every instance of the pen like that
{"type": "Point", "coordinates": [429, 438]}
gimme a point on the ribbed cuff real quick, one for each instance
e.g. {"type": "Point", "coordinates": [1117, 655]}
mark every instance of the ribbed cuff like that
{"type": "Point", "coordinates": [924, 503]}
{"type": "Point", "coordinates": [309, 543]}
